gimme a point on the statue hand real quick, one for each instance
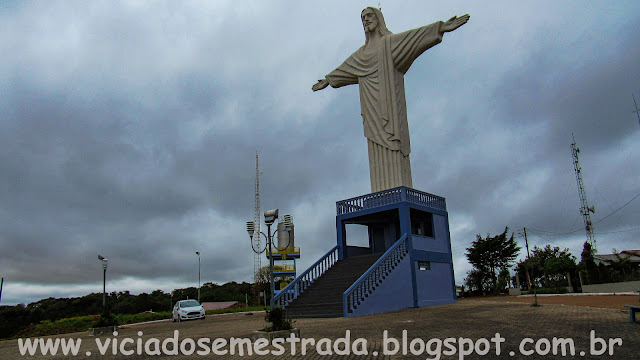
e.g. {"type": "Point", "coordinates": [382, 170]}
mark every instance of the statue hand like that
{"type": "Point", "coordinates": [454, 23]}
{"type": "Point", "coordinates": [321, 84]}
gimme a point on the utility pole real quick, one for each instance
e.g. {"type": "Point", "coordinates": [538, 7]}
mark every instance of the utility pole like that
{"type": "Point", "coordinates": [585, 209]}
{"type": "Point", "coordinates": [526, 241]}
{"type": "Point", "coordinates": [1, 285]}
{"type": "Point", "coordinates": [535, 292]}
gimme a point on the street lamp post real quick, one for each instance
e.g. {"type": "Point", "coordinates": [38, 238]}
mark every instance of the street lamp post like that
{"type": "Point", "coordinates": [272, 280]}
{"type": "Point", "coordinates": [198, 253]}
{"type": "Point", "coordinates": [104, 280]}
{"type": "Point", "coordinates": [270, 217]}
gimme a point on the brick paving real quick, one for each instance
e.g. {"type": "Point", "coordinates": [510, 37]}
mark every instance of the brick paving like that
{"type": "Point", "coordinates": [591, 300]}
{"type": "Point", "coordinates": [465, 319]}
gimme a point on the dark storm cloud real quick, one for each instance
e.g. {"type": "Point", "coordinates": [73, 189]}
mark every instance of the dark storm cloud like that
{"type": "Point", "coordinates": [130, 130]}
{"type": "Point", "coordinates": [589, 95]}
{"type": "Point", "coordinates": [104, 152]}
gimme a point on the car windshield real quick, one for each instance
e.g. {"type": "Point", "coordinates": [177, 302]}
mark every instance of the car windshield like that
{"type": "Point", "coordinates": [189, 303]}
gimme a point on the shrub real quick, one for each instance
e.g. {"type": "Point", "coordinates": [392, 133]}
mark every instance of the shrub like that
{"type": "Point", "coordinates": [106, 319]}
{"type": "Point", "coordinates": [279, 320]}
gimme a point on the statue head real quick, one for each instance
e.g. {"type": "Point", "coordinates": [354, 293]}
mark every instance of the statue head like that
{"type": "Point", "coordinates": [372, 20]}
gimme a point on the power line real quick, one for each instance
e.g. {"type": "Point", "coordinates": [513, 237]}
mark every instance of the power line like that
{"type": "Point", "coordinates": [602, 196]}
{"type": "Point", "coordinates": [555, 233]}
{"type": "Point", "coordinates": [620, 208]}
{"type": "Point", "coordinates": [578, 229]}
{"type": "Point", "coordinates": [551, 242]}
{"type": "Point", "coordinates": [619, 231]}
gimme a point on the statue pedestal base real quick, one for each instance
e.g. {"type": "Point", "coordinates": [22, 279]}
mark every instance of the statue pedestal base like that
{"type": "Point", "coordinates": [423, 218]}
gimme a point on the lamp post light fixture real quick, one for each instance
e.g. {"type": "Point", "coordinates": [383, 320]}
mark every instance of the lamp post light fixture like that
{"type": "Point", "coordinates": [270, 217]}
{"type": "Point", "coordinates": [104, 262]}
{"type": "Point", "coordinates": [198, 253]}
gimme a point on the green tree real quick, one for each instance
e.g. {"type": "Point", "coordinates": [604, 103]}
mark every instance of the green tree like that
{"type": "Point", "coordinates": [587, 265]}
{"type": "Point", "coordinates": [262, 283]}
{"type": "Point", "coordinates": [477, 282]}
{"type": "Point", "coordinates": [491, 254]}
{"type": "Point", "coordinates": [622, 268]}
{"type": "Point", "coordinates": [548, 266]}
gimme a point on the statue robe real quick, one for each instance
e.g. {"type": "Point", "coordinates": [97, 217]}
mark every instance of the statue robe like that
{"type": "Point", "coordinates": [379, 71]}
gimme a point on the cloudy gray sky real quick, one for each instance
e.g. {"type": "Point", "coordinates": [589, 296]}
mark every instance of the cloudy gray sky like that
{"type": "Point", "coordinates": [130, 129]}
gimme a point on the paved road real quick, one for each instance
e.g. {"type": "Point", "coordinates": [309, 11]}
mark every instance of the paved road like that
{"type": "Point", "coordinates": [474, 320]}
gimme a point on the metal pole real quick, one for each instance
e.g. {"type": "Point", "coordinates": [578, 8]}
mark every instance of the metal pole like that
{"type": "Point", "coordinates": [198, 252]}
{"type": "Point", "coordinates": [104, 289]}
{"type": "Point", "coordinates": [270, 265]}
{"type": "Point", "coordinates": [1, 285]}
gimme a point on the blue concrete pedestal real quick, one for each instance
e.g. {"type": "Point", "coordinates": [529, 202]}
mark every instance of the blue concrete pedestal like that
{"type": "Point", "coordinates": [426, 276]}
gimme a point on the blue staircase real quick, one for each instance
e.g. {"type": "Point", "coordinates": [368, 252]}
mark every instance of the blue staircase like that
{"type": "Point", "coordinates": [337, 288]}
{"type": "Point", "coordinates": [408, 262]}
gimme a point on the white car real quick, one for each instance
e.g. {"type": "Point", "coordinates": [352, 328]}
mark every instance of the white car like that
{"type": "Point", "coordinates": [187, 310]}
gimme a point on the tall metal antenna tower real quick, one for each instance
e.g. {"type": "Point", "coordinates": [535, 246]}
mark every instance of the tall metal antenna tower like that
{"type": "Point", "coordinates": [585, 210]}
{"type": "Point", "coordinates": [255, 242]}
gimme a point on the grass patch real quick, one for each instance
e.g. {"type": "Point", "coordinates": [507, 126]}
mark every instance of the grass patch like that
{"type": "Point", "coordinates": [235, 310]}
{"type": "Point", "coordinates": [84, 323]}
{"type": "Point", "coordinates": [62, 326]}
{"type": "Point", "coordinates": [124, 319]}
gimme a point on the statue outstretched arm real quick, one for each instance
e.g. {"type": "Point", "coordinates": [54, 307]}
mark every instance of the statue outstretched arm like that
{"type": "Point", "coordinates": [454, 23]}
{"type": "Point", "coordinates": [321, 84]}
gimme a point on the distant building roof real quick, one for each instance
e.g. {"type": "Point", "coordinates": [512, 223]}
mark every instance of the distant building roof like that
{"type": "Point", "coordinates": [632, 252]}
{"type": "Point", "coordinates": [215, 305]}
{"type": "Point", "coordinates": [632, 255]}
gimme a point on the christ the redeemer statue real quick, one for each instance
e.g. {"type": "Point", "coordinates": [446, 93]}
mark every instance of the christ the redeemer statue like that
{"type": "Point", "coordinates": [379, 67]}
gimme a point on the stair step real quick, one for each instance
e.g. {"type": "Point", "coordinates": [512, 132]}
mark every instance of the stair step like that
{"type": "Point", "coordinates": [323, 298]}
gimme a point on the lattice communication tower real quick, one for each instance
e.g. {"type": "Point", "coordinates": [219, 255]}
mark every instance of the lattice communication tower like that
{"type": "Point", "coordinates": [585, 210]}
{"type": "Point", "coordinates": [255, 242]}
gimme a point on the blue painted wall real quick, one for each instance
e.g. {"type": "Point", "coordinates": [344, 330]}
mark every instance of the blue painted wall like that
{"type": "Point", "coordinates": [394, 293]}
{"type": "Point", "coordinates": [430, 244]}
{"type": "Point", "coordinates": [434, 286]}
{"type": "Point", "coordinates": [440, 241]}
{"type": "Point", "coordinates": [406, 286]}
